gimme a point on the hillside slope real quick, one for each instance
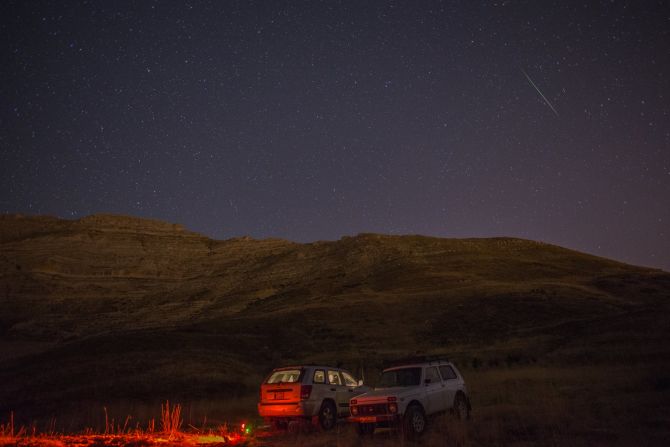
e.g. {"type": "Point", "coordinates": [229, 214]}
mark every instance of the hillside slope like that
{"type": "Point", "coordinates": [110, 308]}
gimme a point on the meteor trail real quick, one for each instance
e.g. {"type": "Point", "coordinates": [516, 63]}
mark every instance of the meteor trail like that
{"type": "Point", "coordinates": [538, 90]}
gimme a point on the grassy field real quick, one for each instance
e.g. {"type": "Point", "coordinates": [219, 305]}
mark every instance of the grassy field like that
{"type": "Point", "coordinates": [557, 347]}
{"type": "Point", "coordinates": [595, 388]}
{"type": "Point", "coordinates": [516, 405]}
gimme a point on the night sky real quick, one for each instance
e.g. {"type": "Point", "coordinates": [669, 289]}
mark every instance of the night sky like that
{"type": "Point", "coordinates": [310, 120]}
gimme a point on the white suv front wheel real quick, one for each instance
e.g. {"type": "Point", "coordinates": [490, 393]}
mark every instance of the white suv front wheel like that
{"type": "Point", "coordinates": [414, 422]}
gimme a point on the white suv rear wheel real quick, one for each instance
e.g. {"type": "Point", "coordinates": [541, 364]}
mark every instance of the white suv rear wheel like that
{"type": "Point", "coordinates": [327, 416]}
{"type": "Point", "coordinates": [461, 408]}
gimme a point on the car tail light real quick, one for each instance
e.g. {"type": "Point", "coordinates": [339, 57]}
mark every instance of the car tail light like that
{"type": "Point", "coordinates": [305, 391]}
{"type": "Point", "coordinates": [354, 410]}
{"type": "Point", "coordinates": [353, 402]}
{"type": "Point", "coordinates": [393, 407]}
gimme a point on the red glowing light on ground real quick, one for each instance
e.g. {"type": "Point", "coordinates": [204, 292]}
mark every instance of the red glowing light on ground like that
{"type": "Point", "coordinates": [169, 435]}
{"type": "Point", "coordinates": [125, 440]}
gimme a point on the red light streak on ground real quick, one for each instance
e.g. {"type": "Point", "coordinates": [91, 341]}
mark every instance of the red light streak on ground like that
{"type": "Point", "coordinates": [128, 440]}
{"type": "Point", "coordinates": [169, 436]}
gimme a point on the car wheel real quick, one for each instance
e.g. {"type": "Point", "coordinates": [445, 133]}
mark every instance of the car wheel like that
{"type": "Point", "coordinates": [327, 416]}
{"type": "Point", "coordinates": [461, 407]}
{"type": "Point", "coordinates": [278, 424]}
{"type": "Point", "coordinates": [293, 427]}
{"type": "Point", "coordinates": [414, 422]}
{"type": "Point", "coordinates": [365, 429]}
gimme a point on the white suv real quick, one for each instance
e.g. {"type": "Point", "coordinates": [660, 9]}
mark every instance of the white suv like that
{"type": "Point", "coordinates": [319, 394]}
{"type": "Point", "coordinates": [409, 392]}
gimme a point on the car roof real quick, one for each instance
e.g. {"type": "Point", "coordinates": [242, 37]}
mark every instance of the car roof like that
{"type": "Point", "coordinates": [308, 366]}
{"type": "Point", "coordinates": [417, 360]}
{"type": "Point", "coordinates": [419, 365]}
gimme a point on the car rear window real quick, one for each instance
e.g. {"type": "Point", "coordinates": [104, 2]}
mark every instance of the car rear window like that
{"type": "Point", "coordinates": [284, 376]}
{"type": "Point", "coordinates": [447, 372]}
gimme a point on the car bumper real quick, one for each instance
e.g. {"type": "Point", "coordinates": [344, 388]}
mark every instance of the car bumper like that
{"type": "Point", "coordinates": [380, 419]}
{"type": "Point", "coordinates": [286, 410]}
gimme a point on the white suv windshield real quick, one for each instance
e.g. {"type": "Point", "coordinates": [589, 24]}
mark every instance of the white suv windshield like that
{"type": "Point", "coordinates": [400, 377]}
{"type": "Point", "coordinates": [284, 376]}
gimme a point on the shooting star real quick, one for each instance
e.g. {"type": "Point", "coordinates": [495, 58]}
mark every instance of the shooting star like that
{"type": "Point", "coordinates": [538, 90]}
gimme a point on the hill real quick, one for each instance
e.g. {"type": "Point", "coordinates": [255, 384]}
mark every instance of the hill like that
{"type": "Point", "coordinates": [124, 311]}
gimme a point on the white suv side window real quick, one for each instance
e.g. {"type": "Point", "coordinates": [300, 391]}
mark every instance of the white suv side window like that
{"type": "Point", "coordinates": [319, 376]}
{"type": "Point", "coordinates": [447, 372]}
{"type": "Point", "coordinates": [348, 380]}
{"type": "Point", "coordinates": [432, 375]}
{"type": "Point", "coordinates": [334, 378]}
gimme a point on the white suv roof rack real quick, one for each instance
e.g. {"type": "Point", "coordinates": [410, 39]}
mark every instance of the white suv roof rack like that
{"type": "Point", "coordinates": [417, 359]}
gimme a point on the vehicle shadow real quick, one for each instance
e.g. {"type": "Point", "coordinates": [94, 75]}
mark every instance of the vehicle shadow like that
{"type": "Point", "coordinates": [443, 431]}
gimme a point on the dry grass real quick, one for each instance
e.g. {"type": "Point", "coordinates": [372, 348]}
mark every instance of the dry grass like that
{"type": "Point", "coordinates": [518, 406]}
{"type": "Point", "coordinates": [7, 430]}
{"type": "Point", "coordinates": [171, 420]}
{"type": "Point", "coordinates": [117, 435]}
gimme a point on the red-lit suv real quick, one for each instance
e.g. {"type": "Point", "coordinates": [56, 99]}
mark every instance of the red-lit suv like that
{"type": "Point", "coordinates": [319, 394]}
